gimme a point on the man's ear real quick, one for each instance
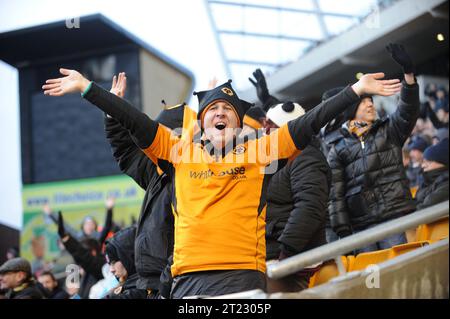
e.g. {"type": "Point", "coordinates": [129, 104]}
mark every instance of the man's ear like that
{"type": "Point", "coordinates": [93, 252]}
{"type": "Point", "coordinates": [21, 276]}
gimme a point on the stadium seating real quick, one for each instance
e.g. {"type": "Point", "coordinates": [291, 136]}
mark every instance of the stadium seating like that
{"type": "Point", "coordinates": [434, 231]}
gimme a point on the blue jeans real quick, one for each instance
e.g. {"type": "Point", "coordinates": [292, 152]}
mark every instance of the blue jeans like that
{"type": "Point", "coordinates": [386, 243]}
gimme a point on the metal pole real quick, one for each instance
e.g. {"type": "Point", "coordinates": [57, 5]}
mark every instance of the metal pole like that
{"type": "Point", "coordinates": [296, 263]}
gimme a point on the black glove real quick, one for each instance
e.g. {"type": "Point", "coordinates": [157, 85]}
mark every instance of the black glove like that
{"type": "Point", "coordinates": [61, 229]}
{"type": "Point", "coordinates": [260, 85]}
{"type": "Point", "coordinates": [399, 54]}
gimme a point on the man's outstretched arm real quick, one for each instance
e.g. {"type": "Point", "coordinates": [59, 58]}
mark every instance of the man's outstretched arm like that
{"type": "Point", "coordinates": [142, 128]}
{"type": "Point", "coordinates": [309, 125]}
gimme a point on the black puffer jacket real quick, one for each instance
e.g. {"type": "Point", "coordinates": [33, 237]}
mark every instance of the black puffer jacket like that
{"type": "Point", "coordinates": [369, 180]}
{"type": "Point", "coordinates": [434, 189]}
{"type": "Point", "coordinates": [297, 200]}
{"type": "Point", "coordinates": [154, 234]}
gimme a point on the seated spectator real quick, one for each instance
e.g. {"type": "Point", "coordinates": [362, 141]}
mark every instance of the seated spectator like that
{"type": "Point", "coordinates": [416, 148]}
{"type": "Point", "coordinates": [441, 134]}
{"type": "Point", "coordinates": [16, 277]}
{"type": "Point", "coordinates": [441, 100]}
{"type": "Point", "coordinates": [49, 282]}
{"type": "Point", "coordinates": [435, 168]}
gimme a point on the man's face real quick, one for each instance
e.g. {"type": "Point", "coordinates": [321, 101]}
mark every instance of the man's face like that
{"type": "Point", "coordinates": [220, 123]}
{"type": "Point", "coordinates": [88, 226]}
{"type": "Point", "coordinates": [48, 282]}
{"type": "Point", "coordinates": [118, 269]}
{"type": "Point", "coordinates": [11, 280]}
{"type": "Point", "coordinates": [366, 111]}
{"type": "Point", "coordinates": [416, 156]}
{"type": "Point", "coordinates": [430, 165]}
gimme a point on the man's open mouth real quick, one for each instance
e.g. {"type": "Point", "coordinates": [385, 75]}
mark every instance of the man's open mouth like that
{"type": "Point", "coordinates": [220, 126]}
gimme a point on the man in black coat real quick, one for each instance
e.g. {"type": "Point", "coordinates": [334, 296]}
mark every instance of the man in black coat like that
{"type": "Point", "coordinates": [17, 280]}
{"type": "Point", "coordinates": [435, 173]}
{"type": "Point", "coordinates": [369, 181]}
{"type": "Point", "coordinates": [297, 203]}
{"type": "Point", "coordinates": [154, 234]}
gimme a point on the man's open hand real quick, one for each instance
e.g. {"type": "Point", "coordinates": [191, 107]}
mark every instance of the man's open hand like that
{"type": "Point", "coordinates": [72, 82]}
{"type": "Point", "coordinates": [119, 85]}
{"type": "Point", "coordinates": [374, 84]}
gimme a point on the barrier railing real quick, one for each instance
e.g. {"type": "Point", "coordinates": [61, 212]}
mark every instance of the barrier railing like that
{"type": "Point", "coordinates": [335, 249]}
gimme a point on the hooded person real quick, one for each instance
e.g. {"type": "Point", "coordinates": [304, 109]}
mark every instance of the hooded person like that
{"type": "Point", "coordinates": [17, 280]}
{"type": "Point", "coordinates": [434, 189]}
{"type": "Point", "coordinates": [120, 257]}
{"type": "Point", "coordinates": [297, 204]}
{"type": "Point", "coordinates": [219, 180]}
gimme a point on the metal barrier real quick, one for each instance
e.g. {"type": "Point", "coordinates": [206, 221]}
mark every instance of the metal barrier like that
{"type": "Point", "coordinates": [335, 249]}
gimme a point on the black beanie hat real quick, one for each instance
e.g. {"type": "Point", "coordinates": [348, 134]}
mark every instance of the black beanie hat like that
{"type": "Point", "coordinates": [350, 112]}
{"type": "Point", "coordinates": [438, 153]}
{"type": "Point", "coordinates": [226, 93]}
{"type": "Point", "coordinates": [172, 117]}
{"type": "Point", "coordinates": [332, 92]}
{"type": "Point", "coordinates": [418, 143]}
{"type": "Point", "coordinates": [337, 122]}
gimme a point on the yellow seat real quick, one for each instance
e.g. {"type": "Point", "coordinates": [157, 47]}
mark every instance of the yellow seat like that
{"type": "Point", "coordinates": [403, 249]}
{"type": "Point", "coordinates": [374, 257]}
{"type": "Point", "coordinates": [328, 271]}
{"type": "Point", "coordinates": [363, 260]}
{"type": "Point", "coordinates": [434, 231]}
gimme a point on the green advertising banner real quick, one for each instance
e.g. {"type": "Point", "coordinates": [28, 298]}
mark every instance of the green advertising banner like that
{"type": "Point", "coordinates": [75, 199]}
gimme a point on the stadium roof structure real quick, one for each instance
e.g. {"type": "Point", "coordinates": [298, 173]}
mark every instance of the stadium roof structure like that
{"type": "Point", "coordinates": [48, 42]}
{"type": "Point", "coordinates": [308, 46]}
{"type": "Point", "coordinates": [271, 34]}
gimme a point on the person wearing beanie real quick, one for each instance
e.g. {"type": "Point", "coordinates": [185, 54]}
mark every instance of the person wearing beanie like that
{"type": "Point", "coordinates": [440, 135]}
{"type": "Point", "coordinates": [17, 280]}
{"type": "Point", "coordinates": [416, 147]}
{"type": "Point", "coordinates": [219, 179]}
{"type": "Point", "coordinates": [370, 185]}
{"type": "Point", "coordinates": [120, 257]}
{"type": "Point", "coordinates": [434, 189]}
{"type": "Point", "coordinates": [297, 204]}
